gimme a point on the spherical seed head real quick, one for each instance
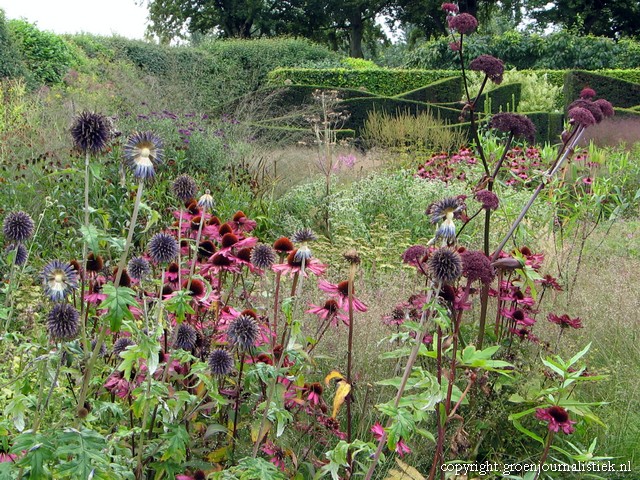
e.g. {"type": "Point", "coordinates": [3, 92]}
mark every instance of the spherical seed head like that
{"type": "Point", "coordinates": [59, 279]}
{"type": "Point", "coordinates": [491, 66]}
{"type": "Point", "coordinates": [414, 254]}
{"type": "Point", "coordinates": [304, 235]}
{"type": "Point", "coordinates": [95, 263]}
{"type": "Point", "coordinates": [21, 253]}
{"type": "Point", "coordinates": [589, 105]}
{"type": "Point", "coordinates": [206, 201]}
{"type": "Point", "coordinates": [163, 248]}
{"type": "Point", "coordinates": [582, 116]}
{"type": "Point", "coordinates": [184, 187]}
{"type": "Point", "coordinates": [138, 268]}
{"type": "Point", "coordinates": [90, 132]}
{"type": "Point", "coordinates": [283, 245]}
{"type": "Point", "coordinates": [186, 337]}
{"type": "Point", "coordinates": [449, 205]}
{"type": "Point", "coordinates": [476, 266]}
{"type": "Point", "coordinates": [17, 227]}
{"type": "Point", "coordinates": [220, 362]}
{"type": "Point", "coordinates": [488, 199]}
{"type": "Point", "coordinates": [263, 256]}
{"type": "Point", "coordinates": [143, 151]}
{"type": "Point", "coordinates": [463, 23]}
{"type": "Point", "coordinates": [445, 265]}
{"type": "Point", "coordinates": [103, 348]}
{"type": "Point", "coordinates": [514, 123]}
{"type": "Point", "coordinates": [605, 107]}
{"type": "Point", "coordinates": [243, 331]}
{"type": "Point", "coordinates": [62, 322]}
{"type": "Point", "coordinates": [121, 345]}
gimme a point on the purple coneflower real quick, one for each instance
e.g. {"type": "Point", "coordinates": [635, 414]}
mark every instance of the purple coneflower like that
{"type": "Point", "coordinates": [565, 321]}
{"type": "Point", "coordinates": [557, 418]}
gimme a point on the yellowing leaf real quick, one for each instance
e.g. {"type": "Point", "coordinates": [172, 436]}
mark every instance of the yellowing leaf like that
{"type": "Point", "coordinates": [218, 455]}
{"type": "Point", "coordinates": [255, 430]}
{"type": "Point", "coordinates": [406, 472]}
{"type": "Point", "coordinates": [341, 393]}
{"type": "Point", "coordinates": [332, 375]}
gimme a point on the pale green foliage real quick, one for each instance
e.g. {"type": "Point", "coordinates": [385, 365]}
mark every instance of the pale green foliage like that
{"type": "Point", "coordinates": [538, 93]}
{"type": "Point", "coordinates": [405, 129]}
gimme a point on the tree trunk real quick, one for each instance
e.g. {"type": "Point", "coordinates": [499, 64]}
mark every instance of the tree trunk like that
{"type": "Point", "coordinates": [356, 31]}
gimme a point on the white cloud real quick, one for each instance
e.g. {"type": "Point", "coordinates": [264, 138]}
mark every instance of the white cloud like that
{"type": "Point", "coordinates": [121, 17]}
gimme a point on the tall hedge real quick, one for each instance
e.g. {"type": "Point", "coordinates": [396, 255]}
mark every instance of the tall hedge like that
{"type": "Point", "coordinates": [621, 93]}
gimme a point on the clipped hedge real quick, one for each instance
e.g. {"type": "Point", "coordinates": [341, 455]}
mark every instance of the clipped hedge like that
{"type": "Point", "coordinates": [381, 81]}
{"type": "Point", "coordinates": [441, 91]}
{"type": "Point", "coordinates": [548, 126]}
{"type": "Point", "coordinates": [620, 92]}
{"type": "Point", "coordinates": [505, 98]}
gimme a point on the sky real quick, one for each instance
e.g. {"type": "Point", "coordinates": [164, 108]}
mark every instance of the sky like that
{"type": "Point", "coordinates": [102, 17]}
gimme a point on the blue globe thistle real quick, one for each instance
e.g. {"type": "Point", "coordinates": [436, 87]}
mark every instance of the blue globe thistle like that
{"type": "Point", "coordinates": [144, 152]}
{"type": "Point", "coordinates": [103, 348]}
{"type": "Point", "coordinates": [18, 227]}
{"type": "Point", "coordinates": [186, 337]}
{"type": "Point", "coordinates": [163, 248]}
{"type": "Point", "coordinates": [445, 265]}
{"type": "Point", "coordinates": [263, 256]}
{"type": "Point", "coordinates": [62, 322]}
{"type": "Point", "coordinates": [21, 253]}
{"type": "Point", "coordinates": [90, 132]}
{"type": "Point", "coordinates": [59, 280]}
{"type": "Point", "coordinates": [220, 362]}
{"type": "Point", "coordinates": [121, 345]}
{"type": "Point", "coordinates": [184, 187]}
{"type": "Point", "coordinates": [303, 237]}
{"type": "Point", "coordinates": [243, 331]}
{"type": "Point", "coordinates": [138, 268]}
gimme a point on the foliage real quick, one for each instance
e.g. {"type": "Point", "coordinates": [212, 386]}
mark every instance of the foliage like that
{"type": "Point", "coordinates": [10, 57]}
{"type": "Point", "coordinates": [46, 55]}
{"type": "Point", "coordinates": [523, 51]}
{"type": "Point", "coordinates": [620, 92]}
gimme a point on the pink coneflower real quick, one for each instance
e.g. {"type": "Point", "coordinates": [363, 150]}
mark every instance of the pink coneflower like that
{"type": "Point", "coordinates": [587, 180]}
{"type": "Point", "coordinates": [277, 454]}
{"type": "Point", "coordinates": [314, 393]}
{"type": "Point", "coordinates": [524, 334]}
{"type": "Point", "coordinates": [330, 310]}
{"type": "Point", "coordinates": [118, 385]}
{"type": "Point", "coordinates": [242, 223]}
{"type": "Point", "coordinates": [7, 457]}
{"type": "Point", "coordinates": [517, 315]}
{"type": "Point", "coordinates": [557, 418]}
{"type": "Point", "coordinates": [378, 431]}
{"type": "Point", "coordinates": [565, 321]}
{"type": "Point", "coordinates": [340, 292]}
{"type": "Point", "coordinates": [549, 281]}
{"type": "Point", "coordinates": [401, 448]}
{"type": "Point", "coordinates": [292, 266]}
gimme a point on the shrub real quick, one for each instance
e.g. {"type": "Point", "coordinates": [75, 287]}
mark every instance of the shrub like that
{"type": "Point", "coordinates": [621, 93]}
{"type": "Point", "coordinates": [10, 58]}
{"type": "Point", "coordinates": [46, 55]}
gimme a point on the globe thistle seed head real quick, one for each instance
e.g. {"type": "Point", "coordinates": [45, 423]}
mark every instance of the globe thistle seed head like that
{"type": "Point", "coordinates": [220, 362]}
{"type": "Point", "coordinates": [476, 266]}
{"type": "Point", "coordinates": [263, 256]}
{"type": "Point", "coordinates": [95, 263]}
{"type": "Point", "coordinates": [184, 187]}
{"type": "Point", "coordinates": [243, 331]}
{"type": "Point", "coordinates": [491, 66]}
{"type": "Point", "coordinates": [514, 123]}
{"type": "Point", "coordinates": [228, 240]}
{"type": "Point", "coordinates": [206, 249]}
{"type": "Point", "coordinates": [463, 23]}
{"type": "Point", "coordinates": [17, 227]}
{"type": "Point", "coordinates": [304, 235]}
{"type": "Point", "coordinates": [605, 107]}
{"type": "Point", "coordinates": [185, 337]}
{"type": "Point", "coordinates": [488, 199]}
{"type": "Point", "coordinates": [445, 265]}
{"type": "Point", "coordinates": [103, 348]}
{"type": "Point", "coordinates": [62, 322]}
{"type": "Point", "coordinates": [206, 201]}
{"type": "Point", "coordinates": [589, 105]}
{"type": "Point", "coordinates": [582, 116]}
{"type": "Point", "coordinates": [163, 248]}
{"type": "Point", "coordinates": [21, 253]}
{"type": "Point", "coordinates": [447, 232]}
{"type": "Point", "coordinates": [446, 208]}
{"type": "Point", "coordinates": [587, 93]}
{"type": "Point", "coordinates": [90, 132]}
{"type": "Point", "coordinates": [121, 345]}
{"type": "Point", "coordinates": [138, 268]}
{"type": "Point", "coordinates": [59, 279]}
{"type": "Point", "coordinates": [144, 152]}
{"type": "Point", "coordinates": [283, 245]}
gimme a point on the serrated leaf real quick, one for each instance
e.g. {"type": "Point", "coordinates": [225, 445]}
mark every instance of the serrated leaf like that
{"type": "Point", "coordinates": [91, 236]}
{"type": "Point", "coordinates": [117, 304]}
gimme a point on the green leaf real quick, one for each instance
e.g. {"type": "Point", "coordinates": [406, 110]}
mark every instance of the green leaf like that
{"type": "Point", "coordinates": [81, 453]}
{"type": "Point", "coordinates": [178, 439]}
{"type": "Point", "coordinates": [579, 355]}
{"type": "Point", "coordinates": [117, 304]}
{"type": "Point", "coordinates": [91, 236]}
{"type": "Point", "coordinates": [180, 305]}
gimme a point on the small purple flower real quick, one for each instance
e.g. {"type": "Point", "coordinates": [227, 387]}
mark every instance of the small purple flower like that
{"type": "Point", "coordinates": [582, 116]}
{"type": "Point", "coordinates": [463, 23]}
{"type": "Point", "coordinates": [489, 200]}
{"type": "Point", "coordinates": [492, 67]}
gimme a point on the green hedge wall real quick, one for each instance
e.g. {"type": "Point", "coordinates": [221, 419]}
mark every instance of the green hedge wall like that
{"type": "Point", "coordinates": [548, 126]}
{"type": "Point", "coordinates": [381, 81]}
{"type": "Point", "coordinates": [620, 92]}
{"type": "Point", "coordinates": [505, 98]}
{"type": "Point", "coordinates": [441, 91]}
